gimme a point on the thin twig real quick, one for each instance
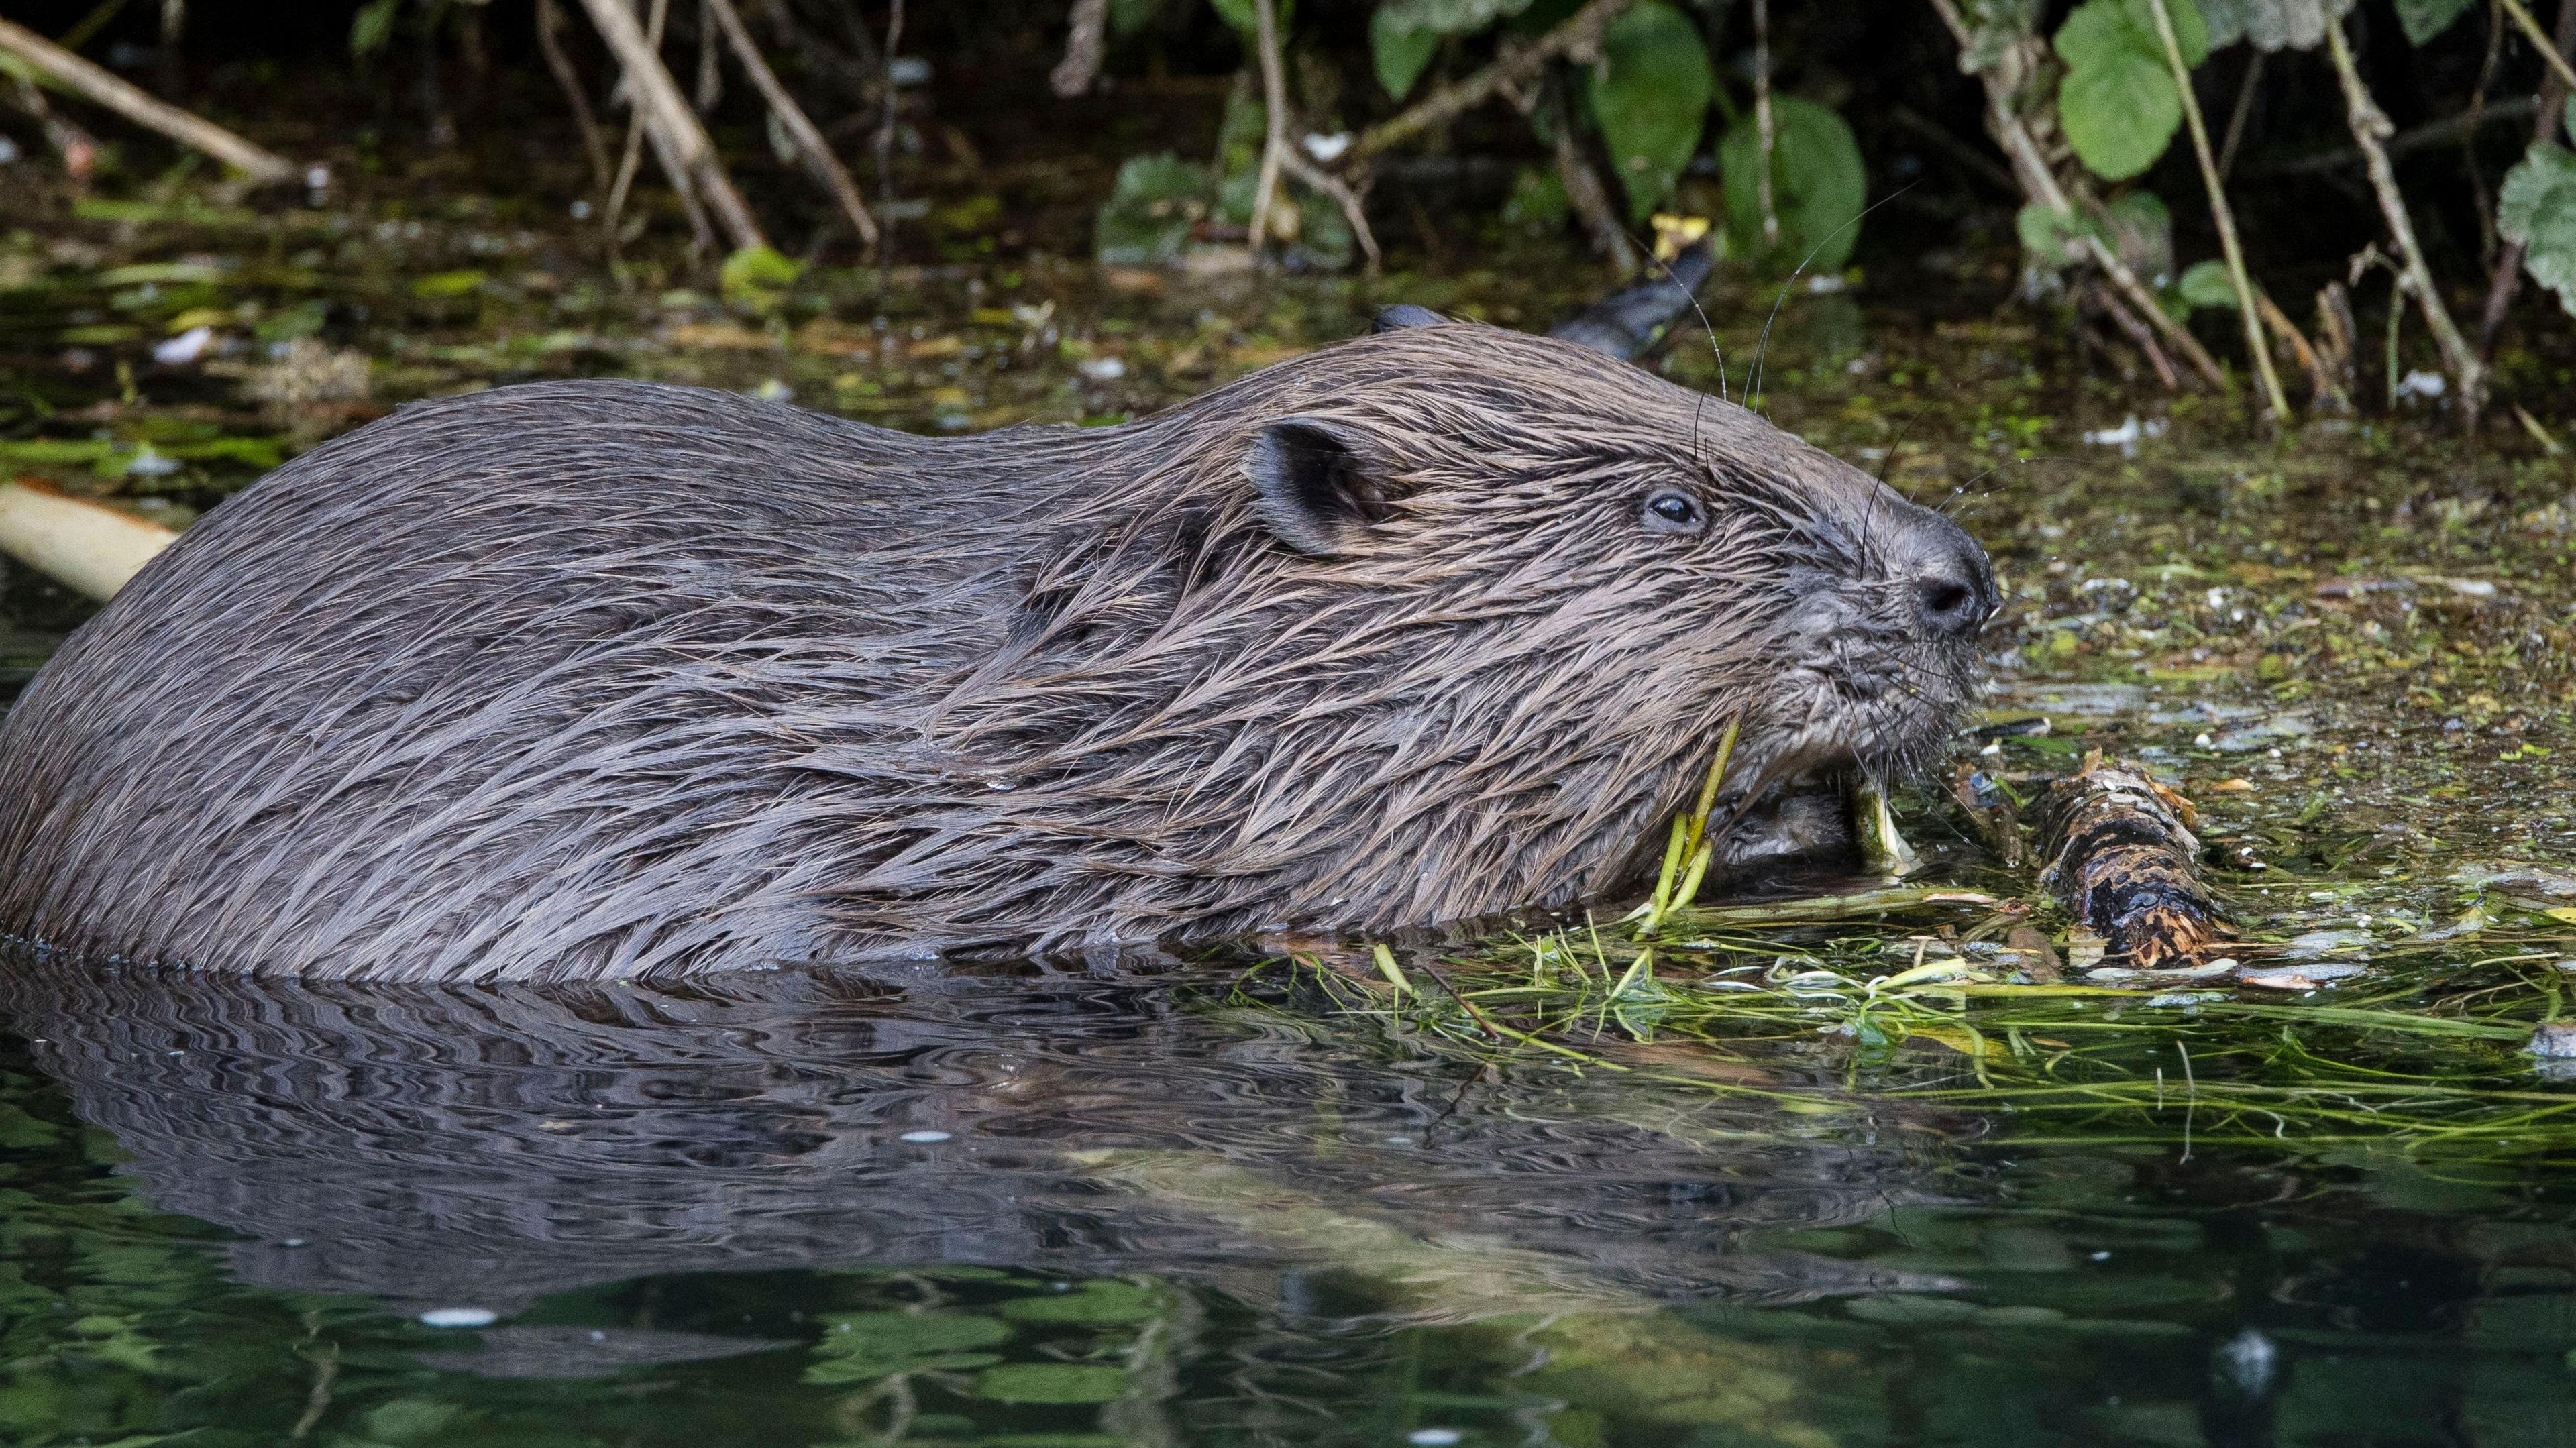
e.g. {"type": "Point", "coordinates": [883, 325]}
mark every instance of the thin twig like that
{"type": "Point", "coordinates": [2508, 274]}
{"type": "Point", "coordinates": [2550, 54]}
{"type": "Point", "coordinates": [2370, 130]}
{"type": "Point", "coordinates": [2405, 143]}
{"type": "Point", "coordinates": [594, 144]}
{"type": "Point", "coordinates": [1765, 135]}
{"type": "Point", "coordinates": [2224, 215]}
{"type": "Point", "coordinates": [1343, 196]}
{"type": "Point", "coordinates": [1433, 971]}
{"type": "Point", "coordinates": [93, 83]}
{"type": "Point", "coordinates": [885, 125]}
{"type": "Point", "coordinates": [1274, 120]}
{"type": "Point", "coordinates": [701, 234]}
{"type": "Point", "coordinates": [1584, 192]}
{"type": "Point", "coordinates": [678, 140]}
{"type": "Point", "coordinates": [2236, 118]}
{"type": "Point", "coordinates": [2321, 383]}
{"type": "Point", "coordinates": [78, 149]}
{"type": "Point", "coordinates": [1577, 36]}
{"type": "Point", "coordinates": [792, 117]}
{"type": "Point", "coordinates": [2038, 182]}
{"type": "Point", "coordinates": [2140, 336]}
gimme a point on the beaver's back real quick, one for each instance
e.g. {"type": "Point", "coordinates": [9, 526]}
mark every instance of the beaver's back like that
{"type": "Point", "coordinates": [515, 683]}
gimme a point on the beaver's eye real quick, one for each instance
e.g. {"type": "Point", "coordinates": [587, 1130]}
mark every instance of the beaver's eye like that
{"type": "Point", "coordinates": [1673, 511]}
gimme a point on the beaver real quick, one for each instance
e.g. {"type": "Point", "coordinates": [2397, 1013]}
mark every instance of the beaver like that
{"type": "Point", "coordinates": [604, 678]}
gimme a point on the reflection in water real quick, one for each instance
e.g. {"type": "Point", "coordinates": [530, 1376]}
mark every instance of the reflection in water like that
{"type": "Point", "coordinates": [1131, 1212]}
{"type": "Point", "coordinates": [490, 1145]}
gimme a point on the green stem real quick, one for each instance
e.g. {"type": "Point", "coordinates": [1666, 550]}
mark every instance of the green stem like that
{"type": "Point", "coordinates": [2225, 217]}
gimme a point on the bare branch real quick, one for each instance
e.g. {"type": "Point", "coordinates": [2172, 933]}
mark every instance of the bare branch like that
{"type": "Point", "coordinates": [550, 23]}
{"type": "Point", "coordinates": [2370, 130]}
{"type": "Point", "coordinates": [1085, 42]}
{"type": "Point", "coordinates": [1577, 37]}
{"type": "Point", "coordinates": [678, 140]}
{"type": "Point", "coordinates": [92, 83]}
{"type": "Point", "coordinates": [2225, 216]}
{"type": "Point", "coordinates": [800, 128]}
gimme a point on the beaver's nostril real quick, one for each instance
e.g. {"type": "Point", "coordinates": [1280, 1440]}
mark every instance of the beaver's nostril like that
{"type": "Point", "coordinates": [1951, 603]}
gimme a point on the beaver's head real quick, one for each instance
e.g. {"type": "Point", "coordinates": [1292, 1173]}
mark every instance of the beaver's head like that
{"type": "Point", "coordinates": [1450, 619]}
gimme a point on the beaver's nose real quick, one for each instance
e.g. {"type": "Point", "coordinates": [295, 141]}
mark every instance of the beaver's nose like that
{"type": "Point", "coordinates": [1954, 585]}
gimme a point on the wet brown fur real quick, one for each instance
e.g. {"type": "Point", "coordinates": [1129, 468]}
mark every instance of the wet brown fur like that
{"type": "Point", "coordinates": [588, 679]}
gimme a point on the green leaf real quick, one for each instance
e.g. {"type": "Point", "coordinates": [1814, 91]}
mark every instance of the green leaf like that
{"type": "Point", "coordinates": [1399, 52]}
{"type": "Point", "coordinates": [1052, 1383]}
{"type": "Point", "coordinates": [1818, 185]}
{"type": "Point", "coordinates": [2140, 230]}
{"type": "Point", "coordinates": [2117, 101]}
{"type": "Point", "coordinates": [2205, 284]}
{"type": "Point", "coordinates": [2050, 236]}
{"type": "Point", "coordinates": [372, 26]}
{"type": "Point", "coordinates": [1240, 14]}
{"type": "Point", "coordinates": [2424, 19]}
{"type": "Point", "coordinates": [2273, 24]}
{"type": "Point", "coordinates": [1126, 17]}
{"type": "Point", "coordinates": [2537, 207]}
{"type": "Point", "coordinates": [1538, 201]}
{"type": "Point", "coordinates": [459, 283]}
{"type": "Point", "coordinates": [862, 1346]}
{"type": "Point", "coordinates": [1649, 94]}
{"type": "Point", "coordinates": [757, 277]}
{"type": "Point", "coordinates": [1147, 218]}
{"type": "Point", "coordinates": [1105, 1301]}
{"type": "Point", "coordinates": [1449, 17]}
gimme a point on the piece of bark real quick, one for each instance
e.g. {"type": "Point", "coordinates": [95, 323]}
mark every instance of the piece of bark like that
{"type": "Point", "coordinates": [2123, 859]}
{"type": "Point", "coordinates": [90, 82]}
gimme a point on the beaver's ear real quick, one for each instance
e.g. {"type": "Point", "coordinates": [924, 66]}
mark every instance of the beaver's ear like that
{"type": "Point", "coordinates": [1313, 484]}
{"type": "Point", "coordinates": [1403, 315]}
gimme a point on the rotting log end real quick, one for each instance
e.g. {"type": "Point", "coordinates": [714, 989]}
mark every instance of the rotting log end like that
{"type": "Point", "coordinates": [2124, 861]}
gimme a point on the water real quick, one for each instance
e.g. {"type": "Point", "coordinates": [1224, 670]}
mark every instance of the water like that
{"type": "Point", "coordinates": [1163, 1214]}
{"type": "Point", "coordinates": [1137, 1204]}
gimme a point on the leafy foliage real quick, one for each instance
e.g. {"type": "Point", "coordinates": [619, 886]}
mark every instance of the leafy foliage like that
{"type": "Point", "coordinates": [2424, 19]}
{"type": "Point", "coordinates": [756, 277]}
{"type": "Point", "coordinates": [1450, 17]}
{"type": "Point", "coordinates": [372, 26]}
{"type": "Point", "coordinates": [1053, 1383]}
{"type": "Point", "coordinates": [1993, 28]}
{"type": "Point", "coordinates": [859, 1347]}
{"type": "Point", "coordinates": [2117, 101]}
{"type": "Point", "coordinates": [2205, 284]}
{"type": "Point", "coordinates": [2273, 24]}
{"type": "Point", "coordinates": [1100, 1302]}
{"type": "Point", "coordinates": [1150, 211]}
{"type": "Point", "coordinates": [1241, 15]}
{"type": "Point", "coordinates": [2537, 207]}
{"type": "Point", "coordinates": [1399, 52]}
{"type": "Point", "coordinates": [1817, 183]}
{"type": "Point", "coordinates": [2137, 227]}
{"type": "Point", "coordinates": [1650, 96]}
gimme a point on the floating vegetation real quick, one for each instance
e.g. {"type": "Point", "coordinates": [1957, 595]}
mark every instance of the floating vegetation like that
{"type": "Point", "coordinates": [1790, 1003]}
